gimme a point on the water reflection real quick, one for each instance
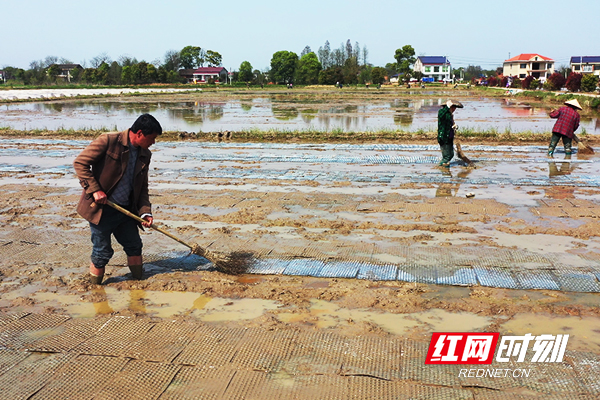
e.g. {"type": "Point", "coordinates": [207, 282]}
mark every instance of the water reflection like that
{"type": "Point", "coordinates": [197, 112]}
{"type": "Point", "coordinates": [285, 112]}
{"type": "Point", "coordinates": [557, 169]}
{"type": "Point", "coordinates": [518, 108]}
{"type": "Point", "coordinates": [309, 114]}
{"type": "Point", "coordinates": [450, 189]}
{"type": "Point", "coordinates": [403, 118]}
{"type": "Point", "coordinates": [100, 301]}
{"type": "Point", "coordinates": [561, 168]}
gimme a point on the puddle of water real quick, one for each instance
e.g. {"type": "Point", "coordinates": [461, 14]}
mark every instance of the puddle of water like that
{"type": "Point", "coordinates": [584, 332]}
{"type": "Point", "coordinates": [157, 304]}
{"type": "Point", "coordinates": [327, 315]}
{"type": "Point", "coordinates": [219, 310]}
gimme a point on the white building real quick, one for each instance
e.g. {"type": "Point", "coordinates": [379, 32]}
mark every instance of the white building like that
{"type": "Point", "coordinates": [526, 64]}
{"type": "Point", "coordinates": [586, 65]}
{"type": "Point", "coordinates": [436, 67]}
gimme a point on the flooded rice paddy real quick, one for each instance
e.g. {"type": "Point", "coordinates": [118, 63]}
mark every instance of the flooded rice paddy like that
{"type": "Point", "coordinates": [519, 256]}
{"type": "Point", "coordinates": [282, 112]}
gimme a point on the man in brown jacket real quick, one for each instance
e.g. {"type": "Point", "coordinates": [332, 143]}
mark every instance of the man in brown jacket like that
{"type": "Point", "coordinates": [115, 167]}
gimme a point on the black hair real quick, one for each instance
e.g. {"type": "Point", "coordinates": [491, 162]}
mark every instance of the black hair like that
{"type": "Point", "coordinates": [147, 124]}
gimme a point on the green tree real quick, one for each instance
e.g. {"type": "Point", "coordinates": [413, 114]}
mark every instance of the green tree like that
{"type": "Point", "coordinates": [589, 82]}
{"type": "Point", "coordinates": [162, 74]}
{"type": "Point", "coordinates": [53, 72]}
{"type": "Point", "coordinates": [391, 69]}
{"type": "Point", "coordinates": [473, 72]}
{"type": "Point", "coordinates": [245, 74]}
{"type": "Point", "coordinates": [283, 66]}
{"type": "Point", "coordinates": [114, 73]}
{"type": "Point", "coordinates": [191, 57]}
{"type": "Point", "coordinates": [151, 73]}
{"type": "Point", "coordinates": [405, 57]}
{"type": "Point", "coordinates": [325, 55]}
{"type": "Point", "coordinates": [88, 75]}
{"type": "Point", "coordinates": [174, 77]}
{"type": "Point", "coordinates": [331, 76]}
{"type": "Point", "coordinates": [260, 77]}
{"type": "Point", "coordinates": [142, 73]}
{"type": "Point", "coordinates": [351, 70]}
{"type": "Point", "coordinates": [378, 75]}
{"type": "Point", "coordinates": [102, 71]}
{"type": "Point", "coordinates": [307, 71]}
{"type": "Point", "coordinates": [127, 77]}
{"type": "Point", "coordinates": [76, 74]}
{"type": "Point", "coordinates": [213, 59]}
{"type": "Point", "coordinates": [365, 74]}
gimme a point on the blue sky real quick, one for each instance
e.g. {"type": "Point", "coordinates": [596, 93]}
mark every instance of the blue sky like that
{"type": "Point", "coordinates": [469, 32]}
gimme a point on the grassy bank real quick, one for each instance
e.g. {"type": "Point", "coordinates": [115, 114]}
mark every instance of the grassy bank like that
{"type": "Point", "coordinates": [307, 136]}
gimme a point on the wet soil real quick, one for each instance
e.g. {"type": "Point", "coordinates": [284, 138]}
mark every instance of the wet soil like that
{"type": "Point", "coordinates": [45, 244]}
{"type": "Point", "coordinates": [47, 272]}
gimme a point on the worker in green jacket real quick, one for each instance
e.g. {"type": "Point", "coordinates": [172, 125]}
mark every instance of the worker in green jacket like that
{"type": "Point", "coordinates": [446, 130]}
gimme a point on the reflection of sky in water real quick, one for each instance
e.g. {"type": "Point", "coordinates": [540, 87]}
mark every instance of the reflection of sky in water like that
{"type": "Point", "coordinates": [284, 114]}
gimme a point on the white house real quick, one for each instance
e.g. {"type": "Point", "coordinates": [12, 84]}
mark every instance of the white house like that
{"type": "Point", "coordinates": [526, 64]}
{"type": "Point", "coordinates": [586, 65]}
{"type": "Point", "coordinates": [436, 67]}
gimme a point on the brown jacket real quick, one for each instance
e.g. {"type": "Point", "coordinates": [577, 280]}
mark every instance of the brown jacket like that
{"type": "Point", "coordinates": [101, 165]}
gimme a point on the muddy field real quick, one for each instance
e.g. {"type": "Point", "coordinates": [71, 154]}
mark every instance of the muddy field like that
{"type": "Point", "coordinates": [326, 204]}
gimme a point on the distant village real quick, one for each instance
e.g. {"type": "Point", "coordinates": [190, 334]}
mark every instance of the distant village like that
{"type": "Point", "coordinates": [532, 68]}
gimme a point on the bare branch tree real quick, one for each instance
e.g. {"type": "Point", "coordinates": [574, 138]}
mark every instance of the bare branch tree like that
{"type": "Point", "coordinates": [99, 59]}
{"type": "Point", "coordinates": [49, 60]}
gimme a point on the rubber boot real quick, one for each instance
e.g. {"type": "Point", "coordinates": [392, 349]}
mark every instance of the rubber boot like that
{"type": "Point", "coordinates": [568, 143]}
{"type": "Point", "coordinates": [136, 267]}
{"type": "Point", "coordinates": [96, 274]}
{"type": "Point", "coordinates": [553, 142]}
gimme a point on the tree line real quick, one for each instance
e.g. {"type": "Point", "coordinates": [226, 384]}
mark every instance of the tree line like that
{"type": "Point", "coordinates": [347, 64]}
{"type": "Point", "coordinates": [124, 71]}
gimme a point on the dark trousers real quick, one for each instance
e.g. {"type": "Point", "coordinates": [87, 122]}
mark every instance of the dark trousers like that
{"type": "Point", "coordinates": [567, 142]}
{"type": "Point", "coordinates": [125, 230]}
{"type": "Point", "coordinates": [447, 153]}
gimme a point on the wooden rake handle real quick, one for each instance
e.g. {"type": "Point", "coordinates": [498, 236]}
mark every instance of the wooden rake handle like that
{"type": "Point", "coordinates": [156, 228]}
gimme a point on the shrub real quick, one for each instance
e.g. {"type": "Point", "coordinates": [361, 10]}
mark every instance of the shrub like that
{"type": "Point", "coordinates": [589, 82]}
{"type": "Point", "coordinates": [504, 81]}
{"type": "Point", "coordinates": [574, 82]}
{"type": "Point", "coordinates": [555, 81]}
{"type": "Point", "coordinates": [516, 82]}
{"type": "Point", "coordinates": [492, 81]}
{"type": "Point", "coordinates": [526, 83]}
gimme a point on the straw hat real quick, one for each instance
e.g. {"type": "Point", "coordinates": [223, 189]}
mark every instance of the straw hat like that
{"type": "Point", "coordinates": [573, 103]}
{"type": "Point", "coordinates": [451, 103]}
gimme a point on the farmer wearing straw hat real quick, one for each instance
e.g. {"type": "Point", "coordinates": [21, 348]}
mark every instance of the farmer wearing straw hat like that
{"type": "Point", "coordinates": [565, 126]}
{"type": "Point", "coordinates": [446, 130]}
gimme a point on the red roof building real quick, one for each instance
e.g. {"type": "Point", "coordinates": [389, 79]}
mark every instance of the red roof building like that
{"type": "Point", "coordinates": [205, 74]}
{"type": "Point", "coordinates": [526, 64]}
